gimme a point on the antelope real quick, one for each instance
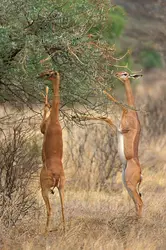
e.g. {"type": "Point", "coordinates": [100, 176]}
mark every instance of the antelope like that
{"type": "Point", "coordinates": [128, 140]}
{"type": "Point", "coordinates": [52, 173]}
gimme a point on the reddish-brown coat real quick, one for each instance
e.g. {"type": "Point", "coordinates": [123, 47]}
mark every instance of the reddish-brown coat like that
{"type": "Point", "coordinates": [52, 173]}
{"type": "Point", "coordinates": [130, 129]}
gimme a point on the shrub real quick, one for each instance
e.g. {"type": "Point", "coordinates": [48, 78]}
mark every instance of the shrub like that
{"type": "Point", "coordinates": [117, 21]}
{"type": "Point", "coordinates": [114, 26]}
{"type": "Point", "coordinates": [92, 156]}
{"type": "Point", "coordinates": [150, 58]}
{"type": "Point", "coordinates": [19, 161]}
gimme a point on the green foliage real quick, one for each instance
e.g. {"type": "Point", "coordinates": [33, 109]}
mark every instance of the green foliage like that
{"type": "Point", "coordinates": [114, 25]}
{"type": "Point", "coordinates": [61, 33]}
{"type": "Point", "coordinates": [150, 58]}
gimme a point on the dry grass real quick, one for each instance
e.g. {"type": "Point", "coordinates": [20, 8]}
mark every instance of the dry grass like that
{"type": "Point", "coordinates": [97, 220]}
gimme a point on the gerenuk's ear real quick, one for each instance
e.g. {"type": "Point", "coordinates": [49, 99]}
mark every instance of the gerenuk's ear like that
{"type": "Point", "coordinates": [135, 76]}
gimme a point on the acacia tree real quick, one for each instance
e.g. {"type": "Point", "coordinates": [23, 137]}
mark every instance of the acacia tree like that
{"type": "Point", "coordinates": [73, 37]}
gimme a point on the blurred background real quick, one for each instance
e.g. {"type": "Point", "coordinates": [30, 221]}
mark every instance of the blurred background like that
{"type": "Point", "coordinates": [87, 42]}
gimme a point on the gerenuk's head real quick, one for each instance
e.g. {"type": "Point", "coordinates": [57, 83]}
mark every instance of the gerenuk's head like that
{"type": "Point", "coordinates": [124, 76]}
{"type": "Point", "coordinates": [49, 75]}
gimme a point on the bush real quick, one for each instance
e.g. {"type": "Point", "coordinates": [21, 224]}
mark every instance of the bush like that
{"type": "Point", "coordinates": [92, 156]}
{"type": "Point", "coordinates": [150, 58]}
{"type": "Point", "coordinates": [153, 98]}
{"type": "Point", "coordinates": [19, 161]}
{"type": "Point", "coordinates": [117, 21]}
{"type": "Point", "coordinates": [114, 25]}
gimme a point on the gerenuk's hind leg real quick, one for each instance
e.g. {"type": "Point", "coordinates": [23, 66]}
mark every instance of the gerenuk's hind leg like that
{"type": "Point", "coordinates": [61, 195]}
{"type": "Point", "coordinates": [48, 207]}
{"type": "Point", "coordinates": [132, 179]}
{"type": "Point", "coordinates": [136, 198]}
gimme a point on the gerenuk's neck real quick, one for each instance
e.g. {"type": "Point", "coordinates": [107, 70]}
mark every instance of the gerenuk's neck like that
{"type": "Point", "coordinates": [56, 98]}
{"type": "Point", "coordinates": [129, 93]}
{"type": "Point", "coordinates": [56, 83]}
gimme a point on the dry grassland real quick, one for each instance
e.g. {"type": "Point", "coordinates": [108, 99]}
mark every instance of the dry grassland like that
{"type": "Point", "coordinates": [99, 217]}
{"type": "Point", "coordinates": [96, 220]}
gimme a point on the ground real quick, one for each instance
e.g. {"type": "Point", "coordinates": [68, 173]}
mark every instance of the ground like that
{"type": "Point", "coordinates": [98, 220]}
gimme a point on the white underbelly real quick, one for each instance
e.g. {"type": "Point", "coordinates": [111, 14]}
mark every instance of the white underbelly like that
{"type": "Point", "coordinates": [121, 148]}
